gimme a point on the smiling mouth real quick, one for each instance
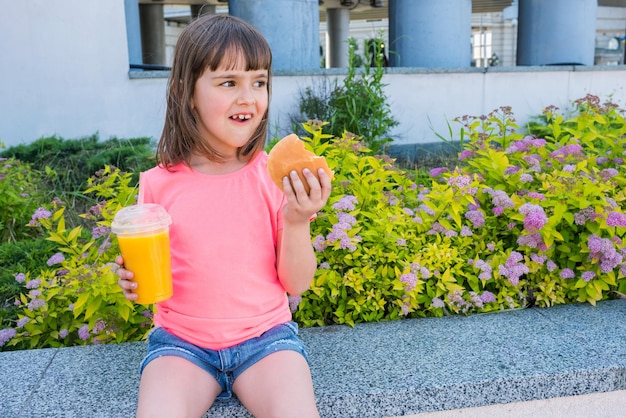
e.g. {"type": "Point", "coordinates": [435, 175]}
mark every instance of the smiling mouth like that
{"type": "Point", "coordinates": [241, 116]}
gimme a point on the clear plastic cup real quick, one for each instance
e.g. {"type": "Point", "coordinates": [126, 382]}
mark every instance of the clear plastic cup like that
{"type": "Point", "coordinates": [143, 234]}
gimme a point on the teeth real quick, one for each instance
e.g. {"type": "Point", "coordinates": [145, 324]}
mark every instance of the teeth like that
{"type": "Point", "coordinates": [242, 117]}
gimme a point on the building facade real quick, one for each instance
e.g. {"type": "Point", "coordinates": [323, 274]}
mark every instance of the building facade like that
{"type": "Point", "coordinates": [67, 70]}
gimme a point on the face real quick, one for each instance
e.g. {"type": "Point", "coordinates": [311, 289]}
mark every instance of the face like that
{"type": "Point", "coordinates": [230, 105]}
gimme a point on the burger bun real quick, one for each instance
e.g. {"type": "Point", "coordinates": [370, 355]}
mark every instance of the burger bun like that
{"type": "Point", "coordinates": [289, 154]}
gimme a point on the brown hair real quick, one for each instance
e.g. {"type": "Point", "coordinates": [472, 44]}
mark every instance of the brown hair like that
{"type": "Point", "coordinates": [209, 42]}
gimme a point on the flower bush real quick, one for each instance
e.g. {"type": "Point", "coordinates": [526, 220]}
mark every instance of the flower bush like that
{"type": "Point", "coordinates": [20, 192]}
{"type": "Point", "coordinates": [76, 300]}
{"type": "Point", "coordinates": [522, 221]}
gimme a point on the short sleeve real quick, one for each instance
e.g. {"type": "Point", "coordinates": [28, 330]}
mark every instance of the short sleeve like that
{"type": "Point", "coordinates": [145, 194]}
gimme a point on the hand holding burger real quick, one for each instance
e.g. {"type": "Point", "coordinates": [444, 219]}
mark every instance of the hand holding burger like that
{"type": "Point", "coordinates": [288, 155]}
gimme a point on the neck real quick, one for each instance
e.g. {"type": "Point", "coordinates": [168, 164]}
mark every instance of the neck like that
{"type": "Point", "coordinates": [229, 164]}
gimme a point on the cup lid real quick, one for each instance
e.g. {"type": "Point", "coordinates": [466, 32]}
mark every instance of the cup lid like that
{"type": "Point", "coordinates": [140, 218]}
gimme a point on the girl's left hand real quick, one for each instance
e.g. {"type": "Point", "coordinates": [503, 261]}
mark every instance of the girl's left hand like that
{"type": "Point", "coordinates": [301, 207]}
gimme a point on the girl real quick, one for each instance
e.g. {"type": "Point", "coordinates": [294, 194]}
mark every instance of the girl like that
{"type": "Point", "coordinates": [238, 244]}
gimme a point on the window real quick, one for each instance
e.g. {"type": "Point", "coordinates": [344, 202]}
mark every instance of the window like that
{"type": "Point", "coordinates": [481, 48]}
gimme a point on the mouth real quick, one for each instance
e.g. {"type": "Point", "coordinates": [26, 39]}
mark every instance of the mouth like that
{"type": "Point", "coordinates": [241, 116]}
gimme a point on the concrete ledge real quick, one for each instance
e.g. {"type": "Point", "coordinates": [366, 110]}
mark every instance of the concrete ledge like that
{"type": "Point", "coordinates": [372, 370]}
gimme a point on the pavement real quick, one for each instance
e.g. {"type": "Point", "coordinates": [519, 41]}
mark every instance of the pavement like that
{"type": "Point", "coordinates": [594, 405]}
{"type": "Point", "coordinates": [565, 361]}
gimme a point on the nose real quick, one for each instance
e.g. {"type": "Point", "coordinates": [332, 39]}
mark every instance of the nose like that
{"type": "Point", "coordinates": [246, 95]}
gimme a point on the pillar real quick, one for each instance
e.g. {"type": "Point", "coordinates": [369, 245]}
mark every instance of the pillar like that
{"type": "Point", "coordinates": [556, 32]}
{"type": "Point", "coordinates": [427, 33]}
{"type": "Point", "coordinates": [291, 28]}
{"type": "Point", "coordinates": [133, 32]}
{"type": "Point", "coordinates": [337, 34]}
{"type": "Point", "coordinates": [152, 33]}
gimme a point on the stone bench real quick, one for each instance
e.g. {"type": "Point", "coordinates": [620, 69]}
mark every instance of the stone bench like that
{"type": "Point", "coordinates": [372, 370]}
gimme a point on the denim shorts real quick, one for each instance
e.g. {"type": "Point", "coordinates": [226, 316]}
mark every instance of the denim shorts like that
{"type": "Point", "coordinates": [227, 364]}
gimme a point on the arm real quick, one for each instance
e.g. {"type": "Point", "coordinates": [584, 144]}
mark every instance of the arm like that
{"type": "Point", "coordinates": [296, 261]}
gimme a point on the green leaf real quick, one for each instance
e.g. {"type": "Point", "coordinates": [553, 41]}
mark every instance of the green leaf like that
{"type": "Point", "coordinates": [80, 303]}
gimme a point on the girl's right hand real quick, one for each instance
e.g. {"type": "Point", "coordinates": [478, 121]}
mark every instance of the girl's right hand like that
{"type": "Point", "coordinates": [125, 281]}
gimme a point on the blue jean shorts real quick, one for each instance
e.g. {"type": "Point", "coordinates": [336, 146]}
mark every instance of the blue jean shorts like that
{"type": "Point", "coordinates": [227, 364]}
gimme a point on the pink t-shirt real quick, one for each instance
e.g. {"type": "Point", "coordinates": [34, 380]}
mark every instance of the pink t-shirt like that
{"type": "Point", "coordinates": [223, 239]}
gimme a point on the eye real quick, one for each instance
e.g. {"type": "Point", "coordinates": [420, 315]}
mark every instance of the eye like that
{"type": "Point", "coordinates": [229, 83]}
{"type": "Point", "coordinates": [260, 83]}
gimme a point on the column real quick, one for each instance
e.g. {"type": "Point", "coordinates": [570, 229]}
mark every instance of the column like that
{"type": "Point", "coordinates": [133, 32]}
{"type": "Point", "coordinates": [338, 32]}
{"type": "Point", "coordinates": [291, 28]}
{"type": "Point", "coordinates": [152, 33]}
{"type": "Point", "coordinates": [556, 32]}
{"type": "Point", "coordinates": [428, 33]}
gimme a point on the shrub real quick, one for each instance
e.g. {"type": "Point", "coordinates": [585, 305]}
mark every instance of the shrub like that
{"type": "Point", "coordinates": [20, 194]}
{"type": "Point", "coordinates": [522, 221]}
{"type": "Point", "coordinates": [69, 163]}
{"type": "Point", "coordinates": [564, 200]}
{"type": "Point", "coordinates": [75, 160]}
{"type": "Point", "coordinates": [76, 300]}
{"type": "Point", "coordinates": [358, 106]}
{"type": "Point", "coordinates": [21, 256]}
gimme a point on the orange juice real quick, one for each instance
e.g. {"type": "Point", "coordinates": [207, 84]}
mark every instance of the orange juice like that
{"type": "Point", "coordinates": [143, 234]}
{"type": "Point", "coordinates": [148, 257]}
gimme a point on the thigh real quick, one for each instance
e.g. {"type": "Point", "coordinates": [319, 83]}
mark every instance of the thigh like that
{"type": "Point", "coordinates": [279, 385]}
{"type": "Point", "coordinates": [174, 387]}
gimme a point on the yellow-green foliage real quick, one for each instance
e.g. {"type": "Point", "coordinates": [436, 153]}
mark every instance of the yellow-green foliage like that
{"type": "Point", "coordinates": [523, 220]}
{"type": "Point", "coordinates": [77, 300]}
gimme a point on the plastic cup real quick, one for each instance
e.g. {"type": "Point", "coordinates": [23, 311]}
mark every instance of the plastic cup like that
{"type": "Point", "coordinates": [143, 234]}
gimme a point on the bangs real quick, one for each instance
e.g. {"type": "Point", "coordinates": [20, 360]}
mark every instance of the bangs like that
{"type": "Point", "coordinates": [242, 49]}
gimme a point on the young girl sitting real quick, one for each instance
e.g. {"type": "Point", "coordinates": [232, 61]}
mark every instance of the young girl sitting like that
{"type": "Point", "coordinates": [239, 244]}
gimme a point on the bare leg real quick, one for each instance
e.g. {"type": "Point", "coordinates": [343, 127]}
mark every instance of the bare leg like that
{"type": "Point", "coordinates": [278, 386]}
{"type": "Point", "coordinates": [174, 387]}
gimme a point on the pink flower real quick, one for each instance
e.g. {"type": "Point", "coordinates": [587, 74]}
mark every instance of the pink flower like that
{"type": "Point", "coordinates": [346, 203]}
{"type": "Point", "coordinates": [476, 217]}
{"type": "Point", "coordinates": [437, 303]}
{"type": "Point", "coordinates": [83, 332]}
{"type": "Point", "coordinates": [512, 169]}
{"type": "Point", "coordinates": [535, 217]}
{"type": "Point", "coordinates": [436, 172]}
{"type": "Point", "coordinates": [465, 154]}
{"type": "Point", "coordinates": [526, 178]}
{"type": "Point", "coordinates": [294, 301]}
{"type": "Point", "coordinates": [513, 269]}
{"type": "Point", "coordinates": [616, 219]}
{"type": "Point", "coordinates": [55, 259]}
{"type": "Point", "coordinates": [409, 280]}
{"type": "Point", "coordinates": [6, 335]}
{"type": "Point", "coordinates": [487, 297]}
{"type": "Point", "coordinates": [41, 213]}
{"type": "Point", "coordinates": [319, 243]}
